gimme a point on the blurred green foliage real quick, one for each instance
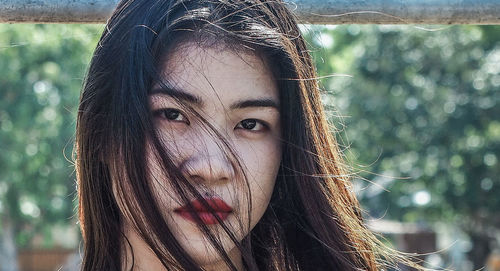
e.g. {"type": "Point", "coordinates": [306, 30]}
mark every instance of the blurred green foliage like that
{"type": "Point", "coordinates": [421, 110]}
{"type": "Point", "coordinates": [41, 72]}
{"type": "Point", "coordinates": [418, 113]}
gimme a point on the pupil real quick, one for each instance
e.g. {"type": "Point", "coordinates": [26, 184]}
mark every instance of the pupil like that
{"type": "Point", "coordinates": [171, 114]}
{"type": "Point", "coordinates": [249, 124]}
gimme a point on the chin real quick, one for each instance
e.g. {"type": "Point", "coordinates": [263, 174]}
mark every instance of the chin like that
{"type": "Point", "coordinates": [198, 246]}
{"type": "Point", "coordinates": [202, 251]}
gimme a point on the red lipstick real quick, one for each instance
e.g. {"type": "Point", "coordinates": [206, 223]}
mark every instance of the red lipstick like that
{"type": "Point", "coordinates": [221, 210]}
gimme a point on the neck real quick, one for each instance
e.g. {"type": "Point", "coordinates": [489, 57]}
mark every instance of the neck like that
{"type": "Point", "coordinates": [143, 258]}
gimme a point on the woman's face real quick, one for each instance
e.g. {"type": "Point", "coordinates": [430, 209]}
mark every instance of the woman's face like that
{"type": "Point", "coordinates": [238, 96]}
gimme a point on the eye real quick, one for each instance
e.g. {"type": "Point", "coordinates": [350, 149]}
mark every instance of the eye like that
{"type": "Point", "coordinates": [170, 114]}
{"type": "Point", "coordinates": [252, 125]}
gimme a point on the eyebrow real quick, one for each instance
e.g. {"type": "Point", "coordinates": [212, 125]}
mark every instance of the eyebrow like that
{"type": "Point", "coordinates": [179, 94]}
{"type": "Point", "coordinates": [264, 102]}
{"type": "Point", "coordinates": [242, 104]}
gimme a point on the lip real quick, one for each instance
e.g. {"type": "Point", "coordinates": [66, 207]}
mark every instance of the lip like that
{"type": "Point", "coordinates": [221, 209]}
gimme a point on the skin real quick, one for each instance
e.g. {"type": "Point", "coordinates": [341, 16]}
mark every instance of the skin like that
{"type": "Point", "coordinates": [226, 86]}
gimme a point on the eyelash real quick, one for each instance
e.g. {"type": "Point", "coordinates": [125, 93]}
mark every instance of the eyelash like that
{"type": "Point", "coordinates": [257, 123]}
{"type": "Point", "coordinates": [165, 113]}
{"type": "Point", "coordinates": [169, 114]}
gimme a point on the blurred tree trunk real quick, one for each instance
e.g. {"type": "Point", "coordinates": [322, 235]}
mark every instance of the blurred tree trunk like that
{"type": "Point", "coordinates": [8, 249]}
{"type": "Point", "coordinates": [481, 248]}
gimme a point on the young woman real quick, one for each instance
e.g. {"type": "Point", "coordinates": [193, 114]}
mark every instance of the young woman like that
{"type": "Point", "coordinates": [202, 144]}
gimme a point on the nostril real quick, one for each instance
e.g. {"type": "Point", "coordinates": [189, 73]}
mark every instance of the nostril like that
{"type": "Point", "coordinates": [209, 178]}
{"type": "Point", "coordinates": [200, 167]}
{"type": "Point", "coordinates": [197, 178]}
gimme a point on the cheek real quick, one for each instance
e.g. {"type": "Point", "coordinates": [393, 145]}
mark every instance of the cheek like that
{"type": "Point", "coordinates": [261, 162]}
{"type": "Point", "coordinates": [160, 186]}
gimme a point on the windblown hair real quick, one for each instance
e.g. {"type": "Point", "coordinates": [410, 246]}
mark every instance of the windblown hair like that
{"type": "Point", "coordinates": [313, 221]}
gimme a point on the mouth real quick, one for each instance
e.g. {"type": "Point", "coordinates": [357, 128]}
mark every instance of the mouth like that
{"type": "Point", "coordinates": [221, 210]}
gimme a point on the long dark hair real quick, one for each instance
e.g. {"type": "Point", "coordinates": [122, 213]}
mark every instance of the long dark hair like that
{"type": "Point", "coordinates": [313, 221]}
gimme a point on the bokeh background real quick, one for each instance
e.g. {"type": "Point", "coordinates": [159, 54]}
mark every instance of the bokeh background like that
{"type": "Point", "coordinates": [416, 110]}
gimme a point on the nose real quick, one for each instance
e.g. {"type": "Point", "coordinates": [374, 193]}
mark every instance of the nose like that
{"type": "Point", "coordinates": [208, 164]}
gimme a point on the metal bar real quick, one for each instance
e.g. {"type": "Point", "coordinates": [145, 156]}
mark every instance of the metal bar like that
{"type": "Point", "coordinates": [308, 11]}
{"type": "Point", "coordinates": [399, 11]}
{"type": "Point", "coordinates": [56, 11]}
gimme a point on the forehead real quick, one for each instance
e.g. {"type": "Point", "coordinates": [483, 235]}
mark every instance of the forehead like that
{"type": "Point", "coordinates": [224, 75]}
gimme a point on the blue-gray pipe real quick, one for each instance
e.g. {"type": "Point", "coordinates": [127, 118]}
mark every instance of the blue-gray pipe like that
{"type": "Point", "coordinates": [308, 11]}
